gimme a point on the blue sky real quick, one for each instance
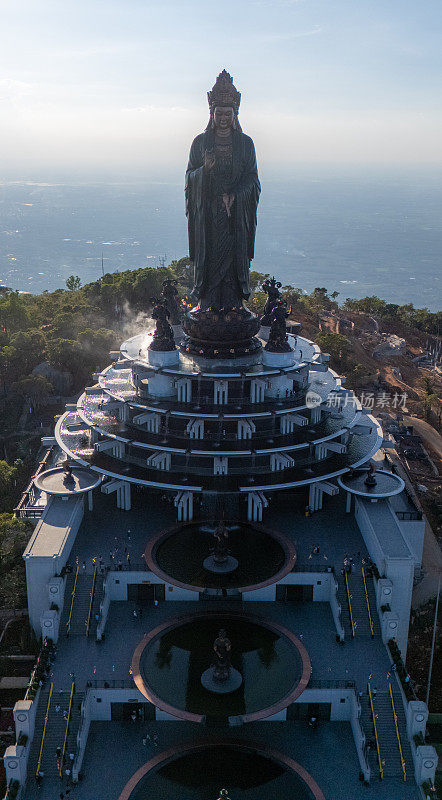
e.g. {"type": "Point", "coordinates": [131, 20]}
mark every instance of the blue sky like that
{"type": "Point", "coordinates": [121, 84]}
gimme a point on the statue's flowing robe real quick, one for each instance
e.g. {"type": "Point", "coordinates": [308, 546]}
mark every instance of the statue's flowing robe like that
{"type": "Point", "coordinates": [218, 246]}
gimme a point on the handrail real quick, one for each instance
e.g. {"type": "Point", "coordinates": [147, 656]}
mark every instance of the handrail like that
{"type": "Point", "coordinates": [68, 624]}
{"type": "Point", "coordinates": [30, 485]}
{"type": "Point", "coordinates": [88, 621]}
{"type": "Point", "coordinates": [368, 604]}
{"type": "Point", "coordinates": [44, 730]}
{"type": "Point", "coordinates": [397, 732]}
{"type": "Point", "coordinates": [381, 769]}
{"type": "Point", "coordinates": [349, 606]}
{"type": "Point", "coordinates": [60, 769]}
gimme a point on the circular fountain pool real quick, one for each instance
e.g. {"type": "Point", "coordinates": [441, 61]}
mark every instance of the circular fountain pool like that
{"type": "Point", "coordinates": [178, 556]}
{"type": "Point", "coordinates": [248, 770]}
{"type": "Point", "coordinates": [168, 664]}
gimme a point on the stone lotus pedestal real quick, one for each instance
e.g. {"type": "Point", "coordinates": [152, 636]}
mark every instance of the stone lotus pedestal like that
{"type": "Point", "coordinates": [213, 565]}
{"type": "Point", "coordinates": [221, 334]}
{"type": "Point", "coordinates": [231, 684]}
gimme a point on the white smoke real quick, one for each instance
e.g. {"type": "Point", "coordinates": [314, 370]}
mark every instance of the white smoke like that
{"type": "Point", "coordinates": [135, 322]}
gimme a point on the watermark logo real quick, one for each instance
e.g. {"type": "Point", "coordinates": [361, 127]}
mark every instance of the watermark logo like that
{"type": "Point", "coordinates": [368, 400]}
{"type": "Point", "coordinates": [313, 399]}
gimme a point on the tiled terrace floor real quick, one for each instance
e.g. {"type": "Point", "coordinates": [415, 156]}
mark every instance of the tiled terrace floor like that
{"type": "Point", "coordinates": [108, 530]}
{"type": "Point", "coordinates": [355, 660]}
{"type": "Point", "coordinates": [115, 751]}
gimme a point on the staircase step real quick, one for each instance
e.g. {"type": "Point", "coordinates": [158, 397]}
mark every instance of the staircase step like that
{"type": "Point", "coordinates": [386, 730]}
{"type": "Point", "coordinates": [81, 604]}
{"type": "Point", "coordinates": [55, 732]}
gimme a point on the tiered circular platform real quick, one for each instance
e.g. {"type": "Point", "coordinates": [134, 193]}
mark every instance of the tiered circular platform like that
{"type": "Point", "coordinates": [271, 422]}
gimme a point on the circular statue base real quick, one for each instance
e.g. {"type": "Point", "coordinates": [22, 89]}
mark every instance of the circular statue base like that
{"type": "Point", "coordinates": [163, 358]}
{"type": "Point", "coordinates": [232, 683]}
{"type": "Point", "coordinates": [229, 565]}
{"type": "Point", "coordinates": [221, 333]}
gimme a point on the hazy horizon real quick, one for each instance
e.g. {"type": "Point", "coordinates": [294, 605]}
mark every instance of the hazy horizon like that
{"type": "Point", "coordinates": [360, 233]}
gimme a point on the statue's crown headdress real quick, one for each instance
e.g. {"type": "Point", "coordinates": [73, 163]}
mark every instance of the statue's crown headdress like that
{"type": "Point", "coordinates": [224, 93]}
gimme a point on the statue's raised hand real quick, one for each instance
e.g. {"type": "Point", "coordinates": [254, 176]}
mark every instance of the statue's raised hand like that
{"type": "Point", "coordinates": [209, 160]}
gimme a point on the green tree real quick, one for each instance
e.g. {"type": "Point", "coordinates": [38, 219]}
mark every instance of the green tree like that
{"type": "Point", "coordinates": [96, 346]}
{"type": "Point", "coordinates": [13, 315]}
{"type": "Point", "coordinates": [14, 536]}
{"type": "Point", "coordinates": [318, 300]}
{"type": "Point", "coordinates": [34, 388]}
{"type": "Point", "coordinates": [431, 401]}
{"type": "Point", "coordinates": [334, 343]}
{"type": "Point", "coordinates": [183, 269]}
{"type": "Point", "coordinates": [10, 478]}
{"type": "Point", "coordinates": [29, 347]}
{"type": "Point", "coordinates": [73, 283]}
{"type": "Point", "coordinates": [67, 355]}
{"type": "Point", "coordinates": [8, 364]}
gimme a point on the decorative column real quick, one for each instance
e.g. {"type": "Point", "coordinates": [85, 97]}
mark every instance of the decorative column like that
{"type": "Point", "coordinates": [220, 392]}
{"type": "Point", "coordinates": [122, 489]}
{"type": "Point", "coordinates": [184, 390]}
{"type": "Point", "coordinates": [159, 460]}
{"type": "Point", "coordinates": [195, 428]}
{"type": "Point", "coordinates": [183, 503]}
{"type": "Point", "coordinates": [317, 491]}
{"type": "Point", "coordinates": [245, 428]}
{"type": "Point", "coordinates": [256, 501]}
{"type": "Point", "coordinates": [280, 461]}
{"type": "Point", "coordinates": [290, 421]}
{"type": "Point", "coordinates": [257, 390]}
{"type": "Point", "coordinates": [220, 465]}
{"type": "Point", "coordinates": [150, 419]}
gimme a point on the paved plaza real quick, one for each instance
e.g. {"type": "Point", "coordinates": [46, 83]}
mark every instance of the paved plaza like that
{"type": "Point", "coordinates": [115, 751]}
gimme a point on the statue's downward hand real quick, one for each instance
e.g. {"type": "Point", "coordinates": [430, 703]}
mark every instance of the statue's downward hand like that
{"type": "Point", "coordinates": [228, 200]}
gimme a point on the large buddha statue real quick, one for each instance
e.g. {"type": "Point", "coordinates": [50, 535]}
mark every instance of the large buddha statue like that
{"type": "Point", "coordinates": [222, 193]}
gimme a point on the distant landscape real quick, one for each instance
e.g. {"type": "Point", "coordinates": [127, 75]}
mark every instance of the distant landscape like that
{"type": "Point", "coordinates": [358, 234]}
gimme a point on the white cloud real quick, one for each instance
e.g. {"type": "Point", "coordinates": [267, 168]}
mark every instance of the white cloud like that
{"type": "Point", "coordinates": [271, 38]}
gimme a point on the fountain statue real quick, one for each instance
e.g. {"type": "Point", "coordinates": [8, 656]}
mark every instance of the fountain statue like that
{"type": "Point", "coordinates": [220, 550]}
{"type": "Point", "coordinates": [220, 559]}
{"type": "Point", "coordinates": [370, 480]}
{"type": "Point", "coordinates": [221, 665]}
{"type": "Point", "coordinates": [68, 479]}
{"type": "Point", "coordinates": [222, 194]}
{"type": "Point", "coordinates": [223, 794]}
{"type": "Point", "coordinates": [221, 677]}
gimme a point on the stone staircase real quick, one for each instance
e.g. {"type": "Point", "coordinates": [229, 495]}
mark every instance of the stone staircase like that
{"type": "Point", "coordinates": [55, 732]}
{"type": "Point", "coordinates": [386, 730]}
{"type": "Point", "coordinates": [80, 607]}
{"type": "Point", "coordinates": [358, 606]}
